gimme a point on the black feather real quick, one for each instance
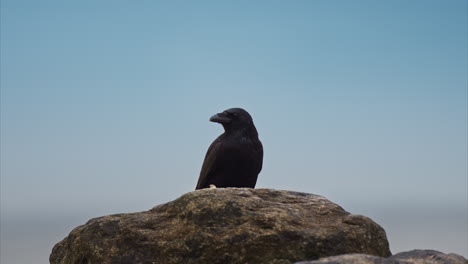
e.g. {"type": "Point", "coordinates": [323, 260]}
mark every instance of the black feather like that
{"type": "Point", "coordinates": [235, 158]}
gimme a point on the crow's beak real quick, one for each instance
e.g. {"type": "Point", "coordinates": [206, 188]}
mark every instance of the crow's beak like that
{"type": "Point", "coordinates": [221, 118]}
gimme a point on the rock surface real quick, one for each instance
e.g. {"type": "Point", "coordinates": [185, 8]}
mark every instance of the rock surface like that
{"type": "Point", "coordinates": [229, 226]}
{"type": "Point", "coordinates": [409, 257]}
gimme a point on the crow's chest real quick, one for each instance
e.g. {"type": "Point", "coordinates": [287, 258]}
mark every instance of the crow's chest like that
{"type": "Point", "coordinates": [238, 156]}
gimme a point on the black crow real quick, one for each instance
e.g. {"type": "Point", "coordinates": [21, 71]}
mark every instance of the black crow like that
{"type": "Point", "coordinates": [235, 158]}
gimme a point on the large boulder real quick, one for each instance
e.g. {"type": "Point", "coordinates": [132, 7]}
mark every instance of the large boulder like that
{"type": "Point", "coordinates": [230, 225]}
{"type": "Point", "coordinates": [408, 257]}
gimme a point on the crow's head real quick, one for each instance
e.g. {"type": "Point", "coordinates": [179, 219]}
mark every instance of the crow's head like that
{"type": "Point", "coordinates": [233, 119]}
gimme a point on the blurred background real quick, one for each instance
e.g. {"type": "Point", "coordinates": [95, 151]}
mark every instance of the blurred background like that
{"type": "Point", "coordinates": [105, 107]}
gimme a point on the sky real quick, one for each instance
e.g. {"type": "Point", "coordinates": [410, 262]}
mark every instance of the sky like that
{"type": "Point", "coordinates": [105, 108]}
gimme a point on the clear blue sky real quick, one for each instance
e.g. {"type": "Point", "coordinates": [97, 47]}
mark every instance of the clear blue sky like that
{"type": "Point", "coordinates": [105, 104]}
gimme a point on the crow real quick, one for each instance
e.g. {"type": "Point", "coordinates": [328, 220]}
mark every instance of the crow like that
{"type": "Point", "coordinates": [235, 158]}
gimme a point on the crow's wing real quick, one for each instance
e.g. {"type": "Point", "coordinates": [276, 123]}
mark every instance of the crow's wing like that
{"type": "Point", "coordinates": [209, 164]}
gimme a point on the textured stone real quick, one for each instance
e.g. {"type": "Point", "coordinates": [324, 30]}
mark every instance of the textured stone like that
{"type": "Point", "coordinates": [230, 225]}
{"type": "Point", "coordinates": [408, 257]}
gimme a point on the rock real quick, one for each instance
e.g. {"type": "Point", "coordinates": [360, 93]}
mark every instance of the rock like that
{"type": "Point", "coordinates": [229, 225]}
{"type": "Point", "coordinates": [409, 257]}
{"type": "Point", "coordinates": [427, 256]}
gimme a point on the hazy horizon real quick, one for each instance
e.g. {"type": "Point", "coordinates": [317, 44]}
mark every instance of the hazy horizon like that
{"type": "Point", "coordinates": [441, 229]}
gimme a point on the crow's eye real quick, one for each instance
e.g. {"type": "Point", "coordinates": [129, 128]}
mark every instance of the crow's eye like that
{"type": "Point", "coordinates": [235, 114]}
